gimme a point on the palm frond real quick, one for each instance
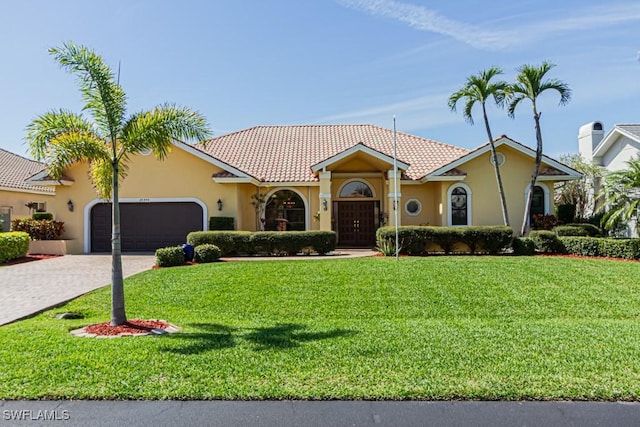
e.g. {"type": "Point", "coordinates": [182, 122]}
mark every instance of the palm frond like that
{"type": "Point", "coordinates": [156, 129]}
{"type": "Point", "coordinates": [50, 125]}
{"type": "Point", "coordinates": [102, 95]}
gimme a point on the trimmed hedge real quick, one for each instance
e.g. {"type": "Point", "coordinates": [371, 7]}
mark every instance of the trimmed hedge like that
{"type": "Point", "coordinates": [590, 229]}
{"type": "Point", "coordinates": [570, 230]}
{"type": "Point", "coordinates": [13, 245]}
{"type": "Point", "coordinates": [603, 247]}
{"type": "Point", "coordinates": [42, 215]}
{"type": "Point", "coordinates": [268, 242]}
{"type": "Point", "coordinates": [39, 229]}
{"type": "Point", "coordinates": [546, 242]}
{"type": "Point", "coordinates": [170, 257]}
{"type": "Point", "coordinates": [221, 223]}
{"type": "Point", "coordinates": [206, 253]}
{"type": "Point", "coordinates": [421, 240]}
{"type": "Point", "coordinates": [523, 246]}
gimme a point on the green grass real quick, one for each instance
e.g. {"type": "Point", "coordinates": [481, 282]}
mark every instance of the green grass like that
{"type": "Point", "coordinates": [423, 328]}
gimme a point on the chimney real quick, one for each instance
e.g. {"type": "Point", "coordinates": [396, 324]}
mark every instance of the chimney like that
{"type": "Point", "coordinates": [589, 136]}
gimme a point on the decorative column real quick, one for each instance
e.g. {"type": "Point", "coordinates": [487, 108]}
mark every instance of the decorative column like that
{"type": "Point", "coordinates": [394, 183]}
{"type": "Point", "coordinates": [325, 201]}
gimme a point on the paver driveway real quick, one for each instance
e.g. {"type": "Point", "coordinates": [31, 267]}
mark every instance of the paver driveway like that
{"type": "Point", "coordinates": [35, 286]}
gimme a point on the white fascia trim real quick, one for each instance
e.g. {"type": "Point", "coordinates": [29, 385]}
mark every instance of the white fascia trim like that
{"type": "Point", "coordinates": [443, 178]}
{"type": "Point", "coordinates": [37, 179]}
{"type": "Point", "coordinates": [556, 178]}
{"type": "Point", "coordinates": [355, 149]}
{"type": "Point", "coordinates": [209, 159]}
{"type": "Point", "coordinates": [502, 141]}
{"type": "Point", "coordinates": [236, 180]}
{"type": "Point", "coordinates": [92, 203]}
{"type": "Point", "coordinates": [610, 138]}
{"type": "Point", "coordinates": [24, 190]}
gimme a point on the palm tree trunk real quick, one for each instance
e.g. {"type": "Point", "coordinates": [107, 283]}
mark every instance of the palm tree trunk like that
{"type": "Point", "coordinates": [536, 170]}
{"type": "Point", "coordinates": [496, 167]}
{"type": "Point", "coordinates": [118, 316]}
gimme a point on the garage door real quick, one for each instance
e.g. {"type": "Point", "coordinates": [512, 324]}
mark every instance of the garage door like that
{"type": "Point", "coordinates": [145, 227]}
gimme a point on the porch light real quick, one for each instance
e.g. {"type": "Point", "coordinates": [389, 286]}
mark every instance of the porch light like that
{"type": "Point", "coordinates": [70, 206]}
{"type": "Point", "coordinates": [219, 203]}
{"type": "Point", "coordinates": [324, 204]}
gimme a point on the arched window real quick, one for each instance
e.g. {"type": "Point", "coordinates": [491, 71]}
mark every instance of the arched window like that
{"type": "Point", "coordinates": [284, 211]}
{"type": "Point", "coordinates": [356, 189]}
{"type": "Point", "coordinates": [537, 202]}
{"type": "Point", "coordinates": [459, 206]}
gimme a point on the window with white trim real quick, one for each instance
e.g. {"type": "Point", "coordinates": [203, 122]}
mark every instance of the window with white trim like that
{"type": "Point", "coordinates": [413, 207]}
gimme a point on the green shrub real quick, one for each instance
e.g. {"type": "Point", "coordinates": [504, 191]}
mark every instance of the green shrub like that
{"type": "Point", "coordinates": [13, 245]}
{"type": "Point", "coordinates": [604, 247]}
{"type": "Point", "coordinates": [570, 230]}
{"type": "Point", "coordinates": [44, 229]}
{"type": "Point", "coordinates": [420, 240]}
{"type": "Point", "coordinates": [591, 230]}
{"type": "Point", "coordinates": [221, 223]}
{"type": "Point", "coordinates": [42, 215]}
{"type": "Point", "coordinates": [206, 253]}
{"type": "Point", "coordinates": [544, 222]}
{"type": "Point", "coordinates": [523, 246]}
{"type": "Point", "coordinates": [170, 257]}
{"type": "Point", "coordinates": [584, 246]}
{"type": "Point", "coordinates": [268, 242]}
{"type": "Point", "coordinates": [546, 242]}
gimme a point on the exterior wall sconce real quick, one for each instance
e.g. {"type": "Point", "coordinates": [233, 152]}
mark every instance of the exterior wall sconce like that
{"type": "Point", "coordinates": [324, 204]}
{"type": "Point", "coordinates": [219, 203]}
{"type": "Point", "coordinates": [70, 206]}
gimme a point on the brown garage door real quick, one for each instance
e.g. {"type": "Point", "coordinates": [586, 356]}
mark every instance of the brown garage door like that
{"type": "Point", "coordinates": [145, 227]}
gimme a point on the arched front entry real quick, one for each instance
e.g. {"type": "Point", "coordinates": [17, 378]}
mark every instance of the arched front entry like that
{"type": "Point", "coordinates": [356, 215]}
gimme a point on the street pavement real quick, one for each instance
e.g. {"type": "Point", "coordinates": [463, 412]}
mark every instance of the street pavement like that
{"type": "Point", "coordinates": [319, 413]}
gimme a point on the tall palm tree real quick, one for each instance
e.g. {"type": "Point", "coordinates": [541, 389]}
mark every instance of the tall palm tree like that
{"type": "Point", "coordinates": [106, 140]}
{"type": "Point", "coordinates": [621, 195]}
{"type": "Point", "coordinates": [530, 84]}
{"type": "Point", "coordinates": [480, 89]}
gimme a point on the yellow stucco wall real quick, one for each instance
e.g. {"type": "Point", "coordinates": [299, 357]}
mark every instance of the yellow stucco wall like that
{"type": "Point", "coordinates": [485, 199]}
{"type": "Point", "coordinates": [180, 175]}
{"type": "Point", "coordinates": [16, 201]}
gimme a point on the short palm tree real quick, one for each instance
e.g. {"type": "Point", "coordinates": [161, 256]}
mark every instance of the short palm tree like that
{"type": "Point", "coordinates": [479, 89]}
{"type": "Point", "coordinates": [621, 195]}
{"type": "Point", "coordinates": [530, 84]}
{"type": "Point", "coordinates": [106, 140]}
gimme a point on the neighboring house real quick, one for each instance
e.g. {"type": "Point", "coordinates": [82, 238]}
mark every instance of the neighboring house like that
{"type": "Point", "coordinates": [16, 193]}
{"type": "Point", "coordinates": [611, 151]}
{"type": "Point", "coordinates": [316, 177]}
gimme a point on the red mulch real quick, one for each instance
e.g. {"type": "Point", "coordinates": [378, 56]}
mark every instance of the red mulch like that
{"type": "Point", "coordinates": [591, 257]}
{"type": "Point", "coordinates": [133, 326]}
{"type": "Point", "coordinates": [28, 258]}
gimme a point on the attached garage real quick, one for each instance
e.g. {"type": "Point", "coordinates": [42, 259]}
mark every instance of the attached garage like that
{"type": "Point", "coordinates": [145, 227]}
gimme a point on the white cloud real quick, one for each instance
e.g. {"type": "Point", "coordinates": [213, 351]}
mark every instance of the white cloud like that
{"type": "Point", "coordinates": [424, 19]}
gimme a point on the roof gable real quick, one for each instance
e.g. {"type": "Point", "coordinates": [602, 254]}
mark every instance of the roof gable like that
{"type": "Point", "coordinates": [631, 131]}
{"type": "Point", "coordinates": [553, 167]}
{"type": "Point", "coordinates": [358, 148]}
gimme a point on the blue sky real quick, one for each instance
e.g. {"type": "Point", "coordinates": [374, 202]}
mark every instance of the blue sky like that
{"type": "Point", "coordinates": [244, 63]}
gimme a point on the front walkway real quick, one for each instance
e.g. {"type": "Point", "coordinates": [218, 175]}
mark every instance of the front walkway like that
{"type": "Point", "coordinates": [32, 287]}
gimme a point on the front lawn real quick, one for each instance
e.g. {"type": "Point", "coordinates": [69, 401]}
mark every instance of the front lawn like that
{"type": "Point", "coordinates": [423, 328]}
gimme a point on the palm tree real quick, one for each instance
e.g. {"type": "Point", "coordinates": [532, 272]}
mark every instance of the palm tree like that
{"type": "Point", "coordinates": [621, 194]}
{"type": "Point", "coordinates": [61, 138]}
{"type": "Point", "coordinates": [530, 84]}
{"type": "Point", "coordinates": [479, 89]}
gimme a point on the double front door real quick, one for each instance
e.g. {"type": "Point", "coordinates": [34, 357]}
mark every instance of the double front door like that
{"type": "Point", "coordinates": [356, 223]}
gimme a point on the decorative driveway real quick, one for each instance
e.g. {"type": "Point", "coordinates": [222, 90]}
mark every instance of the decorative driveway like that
{"type": "Point", "coordinates": [34, 286]}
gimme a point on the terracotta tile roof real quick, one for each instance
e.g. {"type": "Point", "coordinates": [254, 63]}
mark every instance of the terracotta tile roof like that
{"type": "Point", "coordinates": [14, 170]}
{"type": "Point", "coordinates": [286, 153]}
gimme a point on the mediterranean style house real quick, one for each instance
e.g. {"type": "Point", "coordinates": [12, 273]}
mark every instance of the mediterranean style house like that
{"type": "Point", "coordinates": [313, 177]}
{"type": "Point", "coordinates": [15, 193]}
{"type": "Point", "coordinates": [611, 151]}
